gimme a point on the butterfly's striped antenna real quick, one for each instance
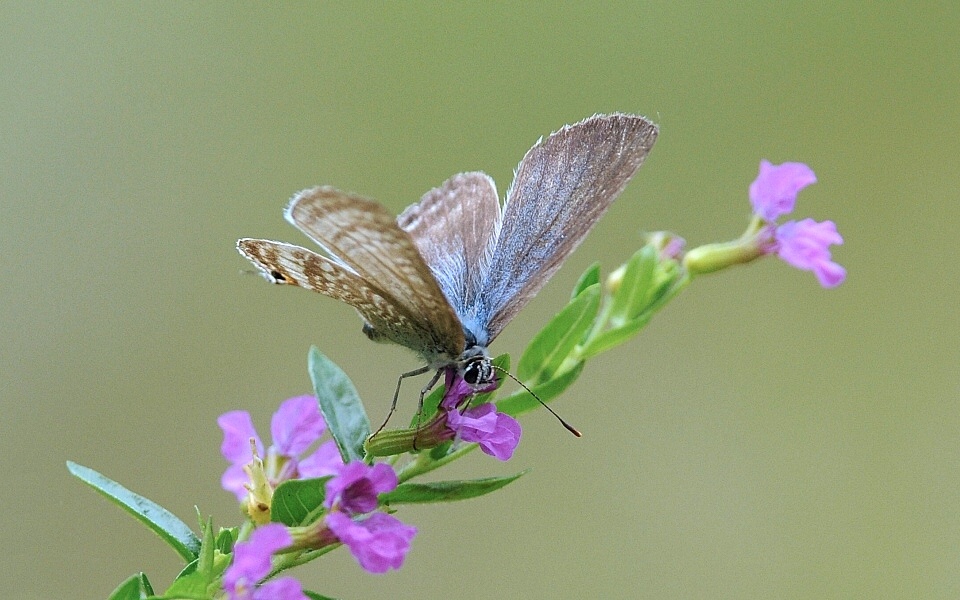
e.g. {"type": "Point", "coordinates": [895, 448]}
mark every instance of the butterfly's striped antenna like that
{"type": "Point", "coordinates": [566, 425]}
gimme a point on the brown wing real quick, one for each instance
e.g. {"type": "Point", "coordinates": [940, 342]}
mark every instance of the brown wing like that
{"type": "Point", "coordinates": [452, 226]}
{"type": "Point", "coordinates": [562, 187]}
{"type": "Point", "coordinates": [373, 266]}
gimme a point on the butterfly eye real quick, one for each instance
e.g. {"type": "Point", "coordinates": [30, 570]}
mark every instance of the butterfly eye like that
{"type": "Point", "coordinates": [477, 372]}
{"type": "Point", "coordinates": [471, 374]}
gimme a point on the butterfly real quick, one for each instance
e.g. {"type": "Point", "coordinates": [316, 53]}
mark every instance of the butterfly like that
{"type": "Point", "coordinates": [446, 276]}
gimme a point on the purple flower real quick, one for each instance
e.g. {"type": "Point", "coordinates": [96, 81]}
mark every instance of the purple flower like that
{"type": "Point", "coordinates": [379, 543]}
{"type": "Point", "coordinates": [774, 192]}
{"type": "Point", "coordinates": [295, 426]}
{"type": "Point", "coordinates": [355, 488]}
{"type": "Point", "coordinates": [802, 244]}
{"type": "Point", "coordinates": [805, 245]}
{"type": "Point", "coordinates": [497, 433]}
{"type": "Point", "coordinates": [457, 390]}
{"type": "Point", "coordinates": [251, 563]}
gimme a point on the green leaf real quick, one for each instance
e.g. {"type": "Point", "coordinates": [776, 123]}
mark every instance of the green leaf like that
{"type": "Point", "coordinates": [615, 337]}
{"type": "Point", "coordinates": [226, 539]}
{"type": "Point", "coordinates": [298, 501]}
{"type": "Point", "coordinates": [430, 404]}
{"type": "Point", "coordinates": [438, 452]}
{"type": "Point", "coordinates": [207, 547]}
{"type": "Point", "coordinates": [197, 579]}
{"type": "Point", "coordinates": [590, 277]}
{"type": "Point", "coordinates": [634, 288]}
{"type": "Point", "coordinates": [188, 569]}
{"type": "Point", "coordinates": [137, 587]}
{"type": "Point", "coordinates": [340, 405]}
{"type": "Point", "coordinates": [316, 596]}
{"type": "Point", "coordinates": [446, 491]}
{"type": "Point", "coordinates": [164, 523]}
{"type": "Point", "coordinates": [556, 341]}
{"type": "Point", "coordinates": [521, 401]}
{"type": "Point", "coordinates": [190, 583]}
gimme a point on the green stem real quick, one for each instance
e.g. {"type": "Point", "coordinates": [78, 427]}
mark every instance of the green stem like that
{"type": "Point", "coordinates": [425, 464]}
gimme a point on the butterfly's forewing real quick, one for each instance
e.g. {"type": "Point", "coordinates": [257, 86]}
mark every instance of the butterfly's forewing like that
{"type": "Point", "coordinates": [374, 266]}
{"type": "Point", "coordinates": [452, 226]}
{"type": "Point", "coordinates": [562, 187]}
{"type": "Point", "coordinates": [293, 265]}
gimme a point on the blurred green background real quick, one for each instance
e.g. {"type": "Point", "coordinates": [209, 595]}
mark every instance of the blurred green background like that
{"type": "Point", "coordinates": [763, 438]}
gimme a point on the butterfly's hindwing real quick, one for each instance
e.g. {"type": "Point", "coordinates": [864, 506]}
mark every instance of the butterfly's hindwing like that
{"type": "Point", "coordinates": [452, 226]}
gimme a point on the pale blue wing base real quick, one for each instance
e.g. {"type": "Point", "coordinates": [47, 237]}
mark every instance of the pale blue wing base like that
{"type": "Point", "coordinates": [452, 226]}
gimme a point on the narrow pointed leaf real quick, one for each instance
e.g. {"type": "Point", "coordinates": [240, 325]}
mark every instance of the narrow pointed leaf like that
{"type": "Point", "coordinates": [634, 286]}
{"type": "Point", "coordinates": [187, 570]}
{"type": "Point", "coordinates": [440, 451]}
{"type": "Point", "coordinates": [557, 340]}
{"type": "Point", "coordinates": [446, 491]}
{"type": "Point", "coordinates": [197, 580]}
{"type": "Point", "coordinates": [205, 558]}
{"type": "Point", "coordinates": [161, 521]}
{"type": "Point", "coordinates": [298, 501]}
{"type": "Point", "coordinates": [137, 587]}
{"type": "Point", "coordinates": [590, 277]}
{"type": "Point", "coordinates": [225, 540]}
{"type": "Point", "coordinates": [615, 337]}
{"type": "Point", "coordinates": [430, 404]}
{"type": "Point", "coordinates": [190, 584]}
{"type": "Point", "coordinates": [340, 405]}
{"type": "Point", "coordinates": [316, 596]}
{"type": "Point", "coordinates": [645, 284]}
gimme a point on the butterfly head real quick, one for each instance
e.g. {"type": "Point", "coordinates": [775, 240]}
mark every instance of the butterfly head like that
{"type": "Point", "coordinates": [475, 368]}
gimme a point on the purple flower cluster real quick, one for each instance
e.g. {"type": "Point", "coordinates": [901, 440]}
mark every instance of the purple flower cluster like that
{"type": "Point", "coordinates": [378, 541]}
{"type": "Point", "coordinates": [295, 426]}
{"type": "Point", "coordinates": [802, 244]}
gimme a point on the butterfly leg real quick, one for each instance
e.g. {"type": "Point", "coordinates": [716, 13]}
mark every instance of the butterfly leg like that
{"type": "Point", "coordinates": [423, 392]}
{"type": "Point", "coordinates": [396, 394]}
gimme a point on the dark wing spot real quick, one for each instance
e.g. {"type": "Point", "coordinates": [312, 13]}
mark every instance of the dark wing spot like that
{"type": "Point", "coordinates": [278, 276]}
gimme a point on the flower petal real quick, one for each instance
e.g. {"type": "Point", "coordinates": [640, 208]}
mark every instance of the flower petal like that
{"type": "Point", "coordinates": [235, 479]}
{"type": "Point", "coordinates": [296, 425]}
{"type": "Point", "coordinates": [237, 430]}
{"type": "Point", "coordinates": [774, 192]}
{"type": "Point", "coordinates": [379, 542]}
{"type": "Point", "coordinates": [324, 461]}
{"type": "Point", "coordinates": [285, 588]}
{"type": "Point", "coordinates": [251, 559]}
{"type": "Point", "coordinates": [456, 391]}
{"type": "Point", "coordinates": [806, 245]}
{"type": "Point", "coordinates": [356, 487]}
{"type": "Point", "coordinates": [498, 434]}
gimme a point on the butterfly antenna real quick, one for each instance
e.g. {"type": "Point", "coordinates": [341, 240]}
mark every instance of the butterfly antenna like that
{"type": "Point", "coordinates": [566, 425]}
